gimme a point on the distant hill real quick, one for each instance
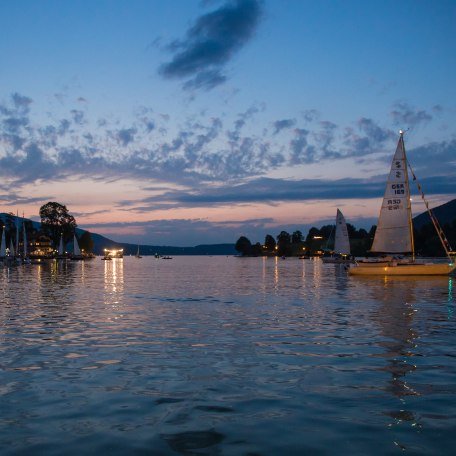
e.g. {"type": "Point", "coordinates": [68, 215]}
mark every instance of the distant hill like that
{"type": "Point", "coordinates": [446, 213]}
{"type": "Point", "coordinates": [101, 242]}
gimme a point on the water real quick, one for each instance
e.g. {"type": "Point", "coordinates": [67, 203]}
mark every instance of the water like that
{"type": "Point", "coordinates": [224, 356]}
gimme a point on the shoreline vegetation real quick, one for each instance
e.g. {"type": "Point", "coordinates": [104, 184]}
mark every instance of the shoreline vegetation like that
{"type": "Point", "coordinates": [320, 241]}
{"type": "Point", "coordinates": [43, 237]}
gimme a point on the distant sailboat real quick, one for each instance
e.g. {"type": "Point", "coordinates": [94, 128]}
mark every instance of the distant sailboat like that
{"type": "Point", "coordinates": [11, 249]}
{"type": "Point", "coordinates": [394, 234]}
{"type": "Point", "coordinates": [17, 233]}
{"type": "Point", "coordinates": [3, 245]}
{"type": "Point", "coordinates": [137, 254]}
{"type": "Point", "coordinates": [60, 252]}
{"type": "Point", "coordinates": [76, 250]}
{"type": "Point", "coordinates": [341, 243]}
{"type": "Point", "coordinates": [25, 257]}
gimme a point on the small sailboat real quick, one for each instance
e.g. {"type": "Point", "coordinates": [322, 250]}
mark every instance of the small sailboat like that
{"type": "Point", "coordinates": [25, 257]}
{"type": "Point", "coordinates": [76, 250]}
{"type": "Point", "coordinates": [3, 245]}
{"type": "Point", "coordinates": [341, 253]}
{"type": "Point", "coordinates": [394, 234]}
{"type": "Point", "coordinates": [60, 252]}
{"type": "Point", "coordinates": [137, 254]}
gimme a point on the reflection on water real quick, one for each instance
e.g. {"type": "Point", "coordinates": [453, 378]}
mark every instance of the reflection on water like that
{"type": "Point", "coordinates": [218, 355]}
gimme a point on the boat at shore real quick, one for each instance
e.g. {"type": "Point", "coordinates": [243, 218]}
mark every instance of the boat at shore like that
{"type": "Point", "coordinates": [394, 234]}
{"type": "Point", "coordinates": [77, 255]}
{"type": "Point", "coordinates": [341, 253]}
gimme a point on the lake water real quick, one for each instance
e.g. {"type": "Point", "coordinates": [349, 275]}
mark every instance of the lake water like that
{"type": "Point", "coordinates": [224, 356]}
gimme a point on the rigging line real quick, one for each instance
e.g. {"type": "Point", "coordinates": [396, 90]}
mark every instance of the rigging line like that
{"type": "Point", "coordinates": [446, 245]}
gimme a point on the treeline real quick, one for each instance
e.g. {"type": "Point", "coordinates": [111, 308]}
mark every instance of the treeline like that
{"type": "Point", "coordinates": [318, 240]}
{"type": "Point", "coordinates": [56, 222]}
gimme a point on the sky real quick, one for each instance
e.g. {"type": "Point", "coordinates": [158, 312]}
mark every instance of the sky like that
{"type": "Point", "coordinates": [186, 122]}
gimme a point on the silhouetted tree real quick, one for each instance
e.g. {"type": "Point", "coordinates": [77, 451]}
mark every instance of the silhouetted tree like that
{"type": "Point", "coordinates": [86, 242]}
{"type": "Point", "coordinates": [284, 243]}
{"type": "Point", "coordinates": [243, 246]}
{"type": "Point", "coordinates": [296, 237]}
{"type": "Point", "coordinates": [55, 220]}
{"type": "Point", "coordinates": [269, 243]}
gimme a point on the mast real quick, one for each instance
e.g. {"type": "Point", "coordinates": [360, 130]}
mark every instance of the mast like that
{"type": "Point", "coordinates": [409, 200]}
{"type": "Point", "coordinates": [25, 236]}
{"type": "Point", "coordinates": [17, 232]}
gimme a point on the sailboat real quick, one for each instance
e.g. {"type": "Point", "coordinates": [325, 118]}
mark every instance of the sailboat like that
{"type": "Point", "coordinates": [341, 253]}
{"type": "Point", "coordinates": [137, 254]}
{"type": "Point", "coordinates": [394, 234]}
{"type": "Point", "coordinates": [76, 250]}
{"type": "Point", "coordinates": [60, 252]}
{"type": "Point", "coordinates": [25, 258]}
{"type": "Point", "coordinates": [3, 245]}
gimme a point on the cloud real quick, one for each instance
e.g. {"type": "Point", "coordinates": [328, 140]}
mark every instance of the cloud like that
{"type": "Point", "coordinates": [206, 155]}
{"type": "Point", "coordinates": [126, 136]}
{"type": "Point", "coordinates": [434, 159]}
{"type": "Point", "coordinates": [275, 191]}
{"type": "Point", "coordinates": [406, 116]}
{"type": "Point", "coordinates": [280, 125]}
{"type": "Point", "coordinates": [211, 43]}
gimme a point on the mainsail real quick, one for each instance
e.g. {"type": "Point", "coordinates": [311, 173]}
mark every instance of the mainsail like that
{"type": "Point", "coordinates": [3, 245]}
{"type": "Point", "coordinates": [76, 250]}
{"type": "Point", "coordinates": [341, 242]}
{"type": "Point", "coordinates": [394, 230]}
{"type": "Point", "coordinates": [60, 251]}
{"type": "Point", "coordinates": [25, 240]}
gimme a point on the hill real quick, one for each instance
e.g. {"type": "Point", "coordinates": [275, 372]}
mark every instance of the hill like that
{"type": "Point", "coordinates": [101, 242]}
{"type": "Point", "coordinates": [446, 213]}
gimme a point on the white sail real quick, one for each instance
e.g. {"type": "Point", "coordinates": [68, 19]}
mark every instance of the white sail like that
{"type": "Point", "coordinates": [76, 250]}
{"type": "Point", "coordinates": [394, 232]}
{"type": "Point", "coordinates": [11, 252]}
{"type": "Point", "coordinates": [17, 233]}
{"type": "Point", "coordinates": [3, 245]}
{"type": "Point", "coordinates": [341, 242]}
{"type": "Point", "coordinates": [25, 240]}
{"type": "Point", "coordinates": [60, 251]}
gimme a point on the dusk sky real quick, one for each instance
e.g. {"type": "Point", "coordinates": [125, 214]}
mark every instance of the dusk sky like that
{"type": "Point", "coordinates": [185, 122]}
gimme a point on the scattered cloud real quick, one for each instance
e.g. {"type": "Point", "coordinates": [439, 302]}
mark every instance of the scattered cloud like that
{"type": "Point", "coordinates": [213, 160]}
{"type": "Point", "coordinates": [211, 43]}
{"type": "Point", "coordinates": [406, 116]}
{"type": "Point", "coordinates": [280, 125]}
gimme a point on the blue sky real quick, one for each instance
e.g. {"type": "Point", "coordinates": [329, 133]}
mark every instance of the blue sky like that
{"type": "Point", "coordinates": [183, 122]}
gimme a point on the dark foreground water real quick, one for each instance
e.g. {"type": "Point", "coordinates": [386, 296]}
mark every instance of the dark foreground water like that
{"type": "Point", "coordinates": [224, 356]}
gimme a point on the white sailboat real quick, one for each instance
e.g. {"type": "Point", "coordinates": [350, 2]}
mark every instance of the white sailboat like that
{"type": "Point", "coordinates": [137, 254]}
{"type": "Point", "coordinates": [25, 257]}
{"type": "Point", "coordinates": [3, 245]}
{"type": "Point", "coordinates": [394, 234]}
{"type": "Point", "coordinates": [17, 233]}
{"type": "Point", "coordinates": [76, 250]}
{"type": "Point", "coordinates": [12, 253]}
{"type": "Point", "coordinates": [341, 253]}
{"type": "Point", "coordinates": [60, 252]}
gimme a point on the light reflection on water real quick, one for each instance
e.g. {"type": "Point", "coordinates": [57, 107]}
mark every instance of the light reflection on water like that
{"type": "Point", "coordinates": [218, 355]}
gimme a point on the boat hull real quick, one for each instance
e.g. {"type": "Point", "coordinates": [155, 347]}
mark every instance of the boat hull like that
{"type": "Point", "coordinates": [337, 260]}
{"type": "Point", "coordinates": [411, 269]}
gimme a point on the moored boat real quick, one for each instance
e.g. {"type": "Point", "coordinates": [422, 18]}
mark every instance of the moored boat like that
{"type": "Point", "coordinates": [394, 234]}
{"type": "Point", "coordinates": [341, 253]}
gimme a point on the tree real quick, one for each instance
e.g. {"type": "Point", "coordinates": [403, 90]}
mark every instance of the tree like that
{"type": "Point", "coordinates": [284, 243]}
{"type": "Point", "coordinates": [269, 243]}
{"type": "Point", "coordinates": [296, 237]}
{"type": "Point", "coordinates": [243, 246]}
{"type": "Point", "coordinates": [56, 221]}
{"type": "Point", "coordinates": [86, 242]}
